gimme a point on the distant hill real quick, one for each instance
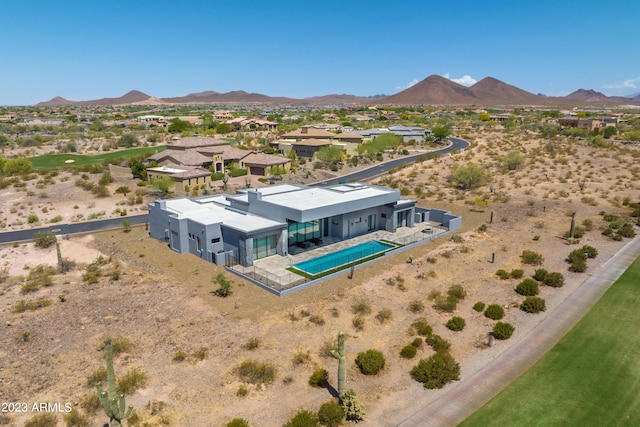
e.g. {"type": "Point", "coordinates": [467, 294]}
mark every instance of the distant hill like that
{"type": "Point", "coordinates": [434, 90]}
{"type": "Point", "coordinates": [128, 98]}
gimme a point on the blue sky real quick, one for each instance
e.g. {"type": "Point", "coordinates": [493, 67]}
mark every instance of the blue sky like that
{"type": "Point", "coordinates": [84, 50]}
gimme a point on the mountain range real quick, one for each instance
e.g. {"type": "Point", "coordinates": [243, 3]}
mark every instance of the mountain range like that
{"type": "Point", "coordinates": [434, 90]}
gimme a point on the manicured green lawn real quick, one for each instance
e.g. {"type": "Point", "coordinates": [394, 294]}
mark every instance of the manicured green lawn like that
{"type": "Point", "coordinates": [53, 161]}
{"type": "Point", "coordinates": [590, 378]}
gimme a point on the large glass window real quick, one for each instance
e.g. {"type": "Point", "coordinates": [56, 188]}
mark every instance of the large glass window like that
{"type": "Point", "coordinates": [265, 246]}
{"type": "Point", "coordinates": [303, 231]}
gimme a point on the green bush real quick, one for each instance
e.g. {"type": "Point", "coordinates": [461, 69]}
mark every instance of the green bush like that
{"type": "Point", "coordinates": [131, 381]}
{"type": "Point", "coordinates": [44, 239]}
{"type": "Point", "coordinates": [590, 251]}
{"type": "Point", "coordinates": [479, 306]}
{"type": "Point", "coordinates": [531, 257]}
{"type": "Point", "coordinates": [303, 418]}
{"type": "Point", "coordinates": [528, 287]}
{"type": "Point", "coordinates": [331, 414]}
{"type": "Point", "coordinates": [370, 362]}
{"type": "Point", "coordinates": [555, 280]}
{"type": "Point", "coordinates": [503, 274]}
{"type": "Point", "coordinates": [436, 371]}
{"type": "Point", "coordinates": [417, 342]}
{"type": "Point", "coordinates": [533, 305]}
{"type": "Point", "coordinates": [179, 356]}
{"type": "Point", "coordinates": [457, 291]}
{"type": "Point", "coordinates": [237, 172]}
{"type": "Point", "coordinates": [517, 274]}
{"type": "Point", "coordinates": [503, 330]}
{"type": "Point", "coordinates": [577, 255]}
{"type": "Point", "coordinates": [456, 323]}
{"type": "Point", "coordinates": [238, 422]}
{"type": "Point", "coordinates": [98, 375]}
{"type": "Point", "coordinates": [42, 420]}
{"type": "Point", "coordinates": [494, 312]}
{"type": "Point", "coordinates": [437, 343]}
{"type": "Point", "coordinates": [540, 274]}
{"type": "Point", "coordinates": [447, 304]}
{"type": "Point", "coordinates": [254, 372]}
{"type": "Point", "coordinates": [75, 419]}
{"type": "Point", "coordinates": [319, 378]}
{"type": "Point", "coordinates": [578, 266]}
{"type": "Point", "coordinates": [408, 352]}
{"type": "Point", "coordinates": [422, 327]}
{"type": "Point", "coordinates": [383, 315]}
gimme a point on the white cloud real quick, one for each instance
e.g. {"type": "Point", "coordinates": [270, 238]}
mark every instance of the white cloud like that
{"type": "Point", "coordinates": [411, 83]}
{"type": "Point", "coordinates": [627, 84]}
{"type": "Point", "coordinates": [465, 80]}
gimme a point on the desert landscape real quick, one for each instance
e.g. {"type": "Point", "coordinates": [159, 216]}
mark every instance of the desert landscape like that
{"type": "Point", "coordinates": [181, 344]}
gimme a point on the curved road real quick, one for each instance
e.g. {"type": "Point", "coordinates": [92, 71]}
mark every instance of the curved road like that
{"type": "Point", "coordinates": [84, 227]}
{"type": "Point", "coordinates": [463, 398]}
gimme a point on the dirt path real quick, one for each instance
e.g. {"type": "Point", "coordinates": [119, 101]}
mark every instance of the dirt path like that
{"type": "Point", "coordinates": [465, 397]}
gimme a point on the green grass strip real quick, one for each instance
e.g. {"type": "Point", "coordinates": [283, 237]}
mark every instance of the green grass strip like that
{"type": "Point", "coordinates": [590, 378]}
{"type": "Point", "coordinates": [55, 161]}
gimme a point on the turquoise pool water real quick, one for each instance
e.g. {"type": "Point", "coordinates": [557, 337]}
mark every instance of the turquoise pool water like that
{"type": "Point", "coordinates": [342, 257]}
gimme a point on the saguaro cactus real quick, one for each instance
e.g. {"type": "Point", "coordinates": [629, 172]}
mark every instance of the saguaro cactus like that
{"type": "Point", "coordinates": [342, 365]}
{"type": "Point", "coordinates": [112, 403]}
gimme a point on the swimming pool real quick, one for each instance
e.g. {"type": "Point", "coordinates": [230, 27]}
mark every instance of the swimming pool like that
{"type": "Point", "coordinates": [343, 257]}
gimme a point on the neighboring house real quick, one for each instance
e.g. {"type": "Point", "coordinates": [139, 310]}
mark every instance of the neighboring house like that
{"type": "Point", "coordinates": [40, 121]}
{"type": "Point", "coordinates": [182, 176]}
{"type": "Point", "coordinates": [191, 158]}
{"type": "Point", "coordinates": [253, 124]}
{"type": "Point", "coordinates": [260, 163]}
{"type": "Point", "coordinates": [307, 132]}
{"type": "Point", "coordinates": [306, 148]}
{"type": "Point", "coordinates": [580, 123]}
{"type": "Point", "coordinates": [407, 133]}
{"type": "Point", "coordinates": [260, 222]}
{"type": "Point", "coordinates": [8, 118]}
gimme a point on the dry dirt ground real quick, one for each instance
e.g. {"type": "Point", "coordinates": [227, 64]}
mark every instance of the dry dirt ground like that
{"type": "Point", "coordinates": [163, 303]}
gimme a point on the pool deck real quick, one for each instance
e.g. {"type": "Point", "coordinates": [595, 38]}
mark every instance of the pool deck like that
{"type": "Point", "coordinates": [276, 266]}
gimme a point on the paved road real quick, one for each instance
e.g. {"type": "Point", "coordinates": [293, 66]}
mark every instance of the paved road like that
{"type": "Point", "coordinates": [463, 398]}
{"type": "Point", "coordinates": [82, 227]}
{"type": "Point", "coordinates": [77, 227]}
{"type": "Point", "coordinates": [456, 144]}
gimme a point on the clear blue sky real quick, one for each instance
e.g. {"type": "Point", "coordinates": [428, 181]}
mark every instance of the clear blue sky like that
{"type": "Point", "coordinates": [84, 50]}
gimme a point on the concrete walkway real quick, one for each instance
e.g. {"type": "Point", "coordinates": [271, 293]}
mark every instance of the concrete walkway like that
{"type": "Point", "coordinates": [463, 398]}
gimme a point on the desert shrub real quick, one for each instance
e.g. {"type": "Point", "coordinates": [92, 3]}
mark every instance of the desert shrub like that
{"type": "Point", "coordinates": [353, 409]}
{"type": "Point", "coordinates": [517, 274]}
{"type": "Point", "coordinates": [32, 305]}
{"type": "Point", "coordinates": [370, 362]}
{"type": "Point", "coordinates": [531, 257]}
{"type": "Point", "coordinates": [540, 274]}
{"type": "Point", "coordinates": [528, 287]}
{"type": "Point", "coordinates": [479, 306]}
{"type": "Point", "coordinates": [578, 232]}
{"type": "Point", "coordinates": [200, 354]}
{"type": "Point", "coordinates": [328, 347]}
{"type": "Point", "coordinates": [494, 312]}
{"type": "Point", "coordinates": [301, 357]}
{"type": "Point", "coordinates": [358, 323]}
{"type": "Point", "coordinates": [436, 371]}
{"type": "Point", "coordinates": [554, 279]}
{"type": "Point", "coordinates": [457, 291]}
{"type": "Point", "coordinates": [44, 239]}
{"type": "Point", "coordinates": [590, 251]}
{"type": "Point", "coordinates": [303, 418]}
{"type": "Point", "coordinates": [447, 304]}
{"type": "Point", "coordinates": [118, 345]}
{"type": "Point", "coordinates": [503, 330]}
{"type": "Point", "coordinates": [179, 356]}
{"type": "Point", "coordinates": [576, 255]}
{"type": "Point", "coordinates": [456, 323]}
{"type": "Point", "coordinates": [383, 315]}
{"type": "Point", "coordinates": [75, 419]}
{"type": "Point", "coordinates": [316, 319]}
{"type": "Point", "coordinates": [408, 352]}
{"type": "Point", "coordinates": [252, 344]}
{"type": "Point", "coordinates": [225, 285]}
{"type": "Point", "coordinates": [238, 422]}
{"type": "Point", "coordinates": [42, 420]}
{"type": "Point", "coordinates": [417, 342]}
{"type": "Point", "coordinates": [422, 327]}
{"type": "Point", "coordinates": [578, 266]}
{"type": "Point", "coordinates": [626, 230]}
{"type": "Point", "coordinates": [456, 238]}
{"type": "Point", "coordinates": [254, 372]}
{"type": "Point", "coordinates": [319, 378]}
{"type": "Point", "coordinates": [416, 306]}
{"type": "Point", "coordinates": [91, 402]}
{"type": "Point", "coordinates": [98, 375]}
{"type": "Point", "coordinates": [132, 380]}
{"type": "Point", "coordinates": [437, 343]}
{"type": "Point", "coordinates": [503, 274]}
{"type": "Point", "coordinates": [361, 308]}
{"type": "Point", "coordinates": [482, 228]}
{"type": "Point", "coordinates": [331, 414]}
{"type": "Point", "coordinates": [533, 305]}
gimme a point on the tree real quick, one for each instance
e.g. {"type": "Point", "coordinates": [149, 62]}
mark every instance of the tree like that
{"type": "Point", "coordinates": [225, 285]}
{"type": "Point", "coordinates": [223, 128]}
{"type": "Point", "coordinates": [276, 171]}
{"type": "Point", "coordinates": [3, 142]}
{"type": "Point", "coordinates": [126, 225]}
{"type": "Point", "coordinates": [608, 132]}
{"type": "Point", "coordinates": [440, 133]}
{"type": "Point", "coordinates": [485, 117]}
{"type": "Point", "coordinates": [161, 183]}
{"type": "Point", "coordinates": [330, 154]}
{"type": "Point", "coordinates": [513, 160]}
{"type": "Point", "coordinates": [128, 140]}
{"type": "Point", "coordinates": [138, 169]}
{"type": "Point", "coordinates": [178, 126]}
{"type": "Point", "coordinates": [470, 176]}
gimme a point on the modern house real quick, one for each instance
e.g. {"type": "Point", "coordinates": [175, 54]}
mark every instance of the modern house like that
{"type": "Point", "coordinates": [256, 223]}
{"type": "Point", "coordinates": [407, 133]}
